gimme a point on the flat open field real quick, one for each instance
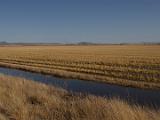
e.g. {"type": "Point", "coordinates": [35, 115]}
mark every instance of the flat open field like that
{"type": "Point", "coordinates": [21, 99]}
{"type": "Point", "coordinates": [128, 65]}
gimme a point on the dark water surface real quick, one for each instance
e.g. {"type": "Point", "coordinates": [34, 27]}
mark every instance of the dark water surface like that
{"type": "Point", "coordinates": [145, 97]}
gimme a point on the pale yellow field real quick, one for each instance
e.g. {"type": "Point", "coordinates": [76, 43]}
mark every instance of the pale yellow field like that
{"type": "Point", "coordinates": [130, 65]}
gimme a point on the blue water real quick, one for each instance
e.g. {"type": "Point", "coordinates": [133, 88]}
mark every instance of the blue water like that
{"type": "Point", "coordinates": [146, 97]}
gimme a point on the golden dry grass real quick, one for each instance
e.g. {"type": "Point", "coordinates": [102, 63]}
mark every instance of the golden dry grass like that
{"type": "Point", "coordinates": [129, 65]}
{"type": "Point", "coordinates": [22, 99]}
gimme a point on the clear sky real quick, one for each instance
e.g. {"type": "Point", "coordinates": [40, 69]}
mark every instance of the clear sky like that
{"type": "Point", "coordinates": [109, 21]}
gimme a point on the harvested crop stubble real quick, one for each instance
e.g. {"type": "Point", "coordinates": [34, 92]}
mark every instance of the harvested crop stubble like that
{"type": "Point", "coordinates": [129, 65]}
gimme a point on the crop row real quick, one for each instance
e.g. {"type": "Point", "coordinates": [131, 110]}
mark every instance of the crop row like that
{"type": "Point", "coordinates": [130, 74]}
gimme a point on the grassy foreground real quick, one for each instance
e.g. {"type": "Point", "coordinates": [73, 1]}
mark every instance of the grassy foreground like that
{"type": "Point", "coordinates": [128, 65]}
{"type": "Point", "coordinates": [22, 99]}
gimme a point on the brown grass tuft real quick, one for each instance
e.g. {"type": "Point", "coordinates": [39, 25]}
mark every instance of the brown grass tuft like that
{"type": "Point", "coordinates": [22, 99]}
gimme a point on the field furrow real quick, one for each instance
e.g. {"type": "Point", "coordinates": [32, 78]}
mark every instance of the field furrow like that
{"type": "Point", "coordinates": [128, 63]}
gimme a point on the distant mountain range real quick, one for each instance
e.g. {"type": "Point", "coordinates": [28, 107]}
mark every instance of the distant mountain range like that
{"type": "Point", "coordinates": [80, 43]}
{"type": "Point", "coordinates": [3, 43]}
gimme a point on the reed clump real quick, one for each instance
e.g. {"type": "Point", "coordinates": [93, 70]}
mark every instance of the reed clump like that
{"type": "Point", "coordinates": [22, 99]}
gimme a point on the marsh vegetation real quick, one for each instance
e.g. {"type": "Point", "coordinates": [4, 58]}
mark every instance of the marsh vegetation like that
{"type": "Point", "coordinates": [21, 99]}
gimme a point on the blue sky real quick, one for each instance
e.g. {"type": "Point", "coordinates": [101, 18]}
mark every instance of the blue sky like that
{"type": "Point", "coordinates": [105, 21]}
